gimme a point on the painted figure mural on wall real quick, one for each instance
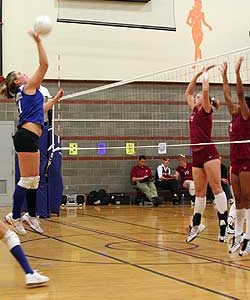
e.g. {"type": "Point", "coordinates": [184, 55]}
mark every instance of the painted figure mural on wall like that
{"type": "Point", "coordinates": [196, 19]}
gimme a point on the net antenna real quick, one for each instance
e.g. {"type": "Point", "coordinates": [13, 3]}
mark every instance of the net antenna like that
{"type": "Point", "coordinates": [59, 104]}
{"type": "Point", "coordinates": [50, 149]}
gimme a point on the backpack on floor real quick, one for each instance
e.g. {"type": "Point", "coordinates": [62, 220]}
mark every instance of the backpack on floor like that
{"type": "Point", "coordinates": [91, 198]}
{"type": "Point", "coordinates": [103, 197]}
{"type": "Point", "coordinates": [98, 198]}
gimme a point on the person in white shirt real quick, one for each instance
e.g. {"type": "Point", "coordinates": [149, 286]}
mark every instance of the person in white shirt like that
{"type": "Point", "coordinates": [45, 92]}
{"type": "Point", "coordinates": [164, 179]}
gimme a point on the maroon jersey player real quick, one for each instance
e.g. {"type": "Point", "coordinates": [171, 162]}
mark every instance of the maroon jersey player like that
{"type": "Point", "coordinates": [239, 130]}
{"type": "Point", "coordinates": [185, 175]}
{"type": "Point", "coordinates": [205, 158]}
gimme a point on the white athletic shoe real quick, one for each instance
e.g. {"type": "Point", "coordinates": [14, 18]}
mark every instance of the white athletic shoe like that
{"type": "Point", "coordinates": [35, 279]}
{"type": "Point", "coordinates": [245, 250]}
{"type": "Point", "coordinates": [16, 224]}
{"type": "Point", "coordinates": [194, 231]}
{"type": "Point", "coordinates": [222, 238]}
{"type": "Point", "coordinates": [33, 222]}
{"type": "Point", "coordinates": [230, 225]}
{"type": "Point", "coordinates": [237, 240]}
{"type": "Point", "coordinates": [230, 229]}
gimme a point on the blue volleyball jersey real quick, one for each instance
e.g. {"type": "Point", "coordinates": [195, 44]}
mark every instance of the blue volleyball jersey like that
{"type": "Point", "coordinates": [30, 107]}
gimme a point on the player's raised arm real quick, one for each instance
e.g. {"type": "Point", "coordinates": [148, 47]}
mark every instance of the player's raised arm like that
{"type": "Point", "coordinates": [240, 91]}
{"type": "Point", "coordinates": [189, 94]}
{"type": "Point", "coordinates": [36, 79]}
{"type": "Point", "coordinates": [226, 88]}
{"type": "Point", "coordinates": [206, 104]}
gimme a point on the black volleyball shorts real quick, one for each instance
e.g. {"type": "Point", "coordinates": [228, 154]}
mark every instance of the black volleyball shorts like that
{"type": "Point", "coordinates": [25, 141]}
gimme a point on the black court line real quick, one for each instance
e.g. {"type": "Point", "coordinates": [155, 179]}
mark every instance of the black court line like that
{"type": "Point", "coordinates": [109, 263]}
{"type": "Point", "coordinates": [159, 209]}
{"type": "Point", "coordinates": [207, 216]}
{"type": "Point", "coordinates": [141, 267]}
{"type": "Point", "coordinates": [145, 243]}
{"type": "Point", "coordinates": [134, 224]}
{"type": "Point", "coordinates": [113, 246]}
{"type": "Point", "coordinates": [183, 214]}
{"type": "Point", "coordinates": [97, 263]}
{"type": "Point", "coordinates": [145, 226]}
{"type": "Point", "coordinates": [108, 246]}
{"type": "Point", "coordinates": [73, 261]}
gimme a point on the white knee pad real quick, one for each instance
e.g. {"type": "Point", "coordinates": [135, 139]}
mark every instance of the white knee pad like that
{"type": "Point", "coordinates": [36, 180]}
{"type": "Point", "coordinates": [11, 239]}
{"type": "Point", "coordinates": [26, 182]}
{"type": "Point", "coordinates": [31, 182]}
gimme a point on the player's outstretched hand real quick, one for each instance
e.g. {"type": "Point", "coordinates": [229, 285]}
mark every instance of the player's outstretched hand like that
{"type": "Point", "coordinates": [238, 64]}
{"type": "Point", "coordinates": [59, 95]}
{"type": "Point", "coordinates": [35, 36]}
{"type": "Point", "coordinates": [206, 69]}
{"type": "Point", "coordinates": [223, 69]}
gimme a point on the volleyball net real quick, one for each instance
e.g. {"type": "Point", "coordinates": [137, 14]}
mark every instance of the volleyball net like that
{"type": "Point", "coordinates": [143, 115]}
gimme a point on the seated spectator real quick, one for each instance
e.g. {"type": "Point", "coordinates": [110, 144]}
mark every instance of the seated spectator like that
{"type": "Point", "coordinates": [225, 182]}
{"type": "Point", "coordinates": [184, 174]}
{"type": "Point", "coordinates": [142, 176]}
{"type": "Point", "coordinates": [164, 179]}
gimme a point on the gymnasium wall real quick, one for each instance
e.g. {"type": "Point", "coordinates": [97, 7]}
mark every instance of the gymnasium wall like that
{"type": "Point", "coordinates": [109, 53]}
{"type": "Point", "coordinates": [88, 170]}
{"type": "Point", "coordinates": [106, 53]}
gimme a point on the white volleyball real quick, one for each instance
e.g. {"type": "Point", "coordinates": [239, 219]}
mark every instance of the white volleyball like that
{"type": "Point", "coordinates": [43, 25]}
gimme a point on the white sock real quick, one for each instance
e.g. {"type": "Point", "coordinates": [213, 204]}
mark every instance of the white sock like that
{"type": "Point", "coordinates": [199, 205]}
{"type": "Point", "coordinates": [191, 188]}
{"type": "Point", "coordinates": [239, 221]}
{"type": "Point", "coordinates": [232, 212]}
{"type": "Point", "coordinates": [247, 216]}
{"type": "Point", "coordinates": [221, 202]}
{"type": "Point", "coordinates": [11, 239]}
{"type": "Point", "coordinates": [232, 192]}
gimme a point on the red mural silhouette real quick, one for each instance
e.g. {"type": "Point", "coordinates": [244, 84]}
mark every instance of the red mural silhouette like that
{"type": "Point", "coordinates": [196, 19]}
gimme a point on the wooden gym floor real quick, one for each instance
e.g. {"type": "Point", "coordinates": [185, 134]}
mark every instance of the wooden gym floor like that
{"type": "Point", "coordinates": [127, 253]}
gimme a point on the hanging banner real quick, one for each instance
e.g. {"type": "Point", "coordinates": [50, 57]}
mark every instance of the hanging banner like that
{"type": "Point", "coordinates": [130, 148]}
{"type": "Point", "coordinates": [101, 148]}
{"type": "Point", "coordinates": [162, 148]}
{"type": "Point", "coordinates": [73, 149]}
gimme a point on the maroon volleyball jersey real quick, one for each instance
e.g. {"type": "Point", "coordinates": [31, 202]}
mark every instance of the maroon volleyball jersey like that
{"type": "Point", "coordinates": [200, 125]}
{"type": "Point", "coordinates": [239, 129]}
{"type": "Point", "coordinates": [185, 173]}
{"type": "Point", "coordinates": [141, 171]}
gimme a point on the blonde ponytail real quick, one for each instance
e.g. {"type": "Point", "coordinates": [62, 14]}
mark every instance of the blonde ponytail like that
{"type": "Point", "coordinates": [8, 86]}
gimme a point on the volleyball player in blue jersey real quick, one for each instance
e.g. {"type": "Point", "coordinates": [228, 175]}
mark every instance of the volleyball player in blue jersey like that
{"type": "Point", "coordinates": [30, 217]}
{"type": "Point", "coordinates": [31, 108]}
